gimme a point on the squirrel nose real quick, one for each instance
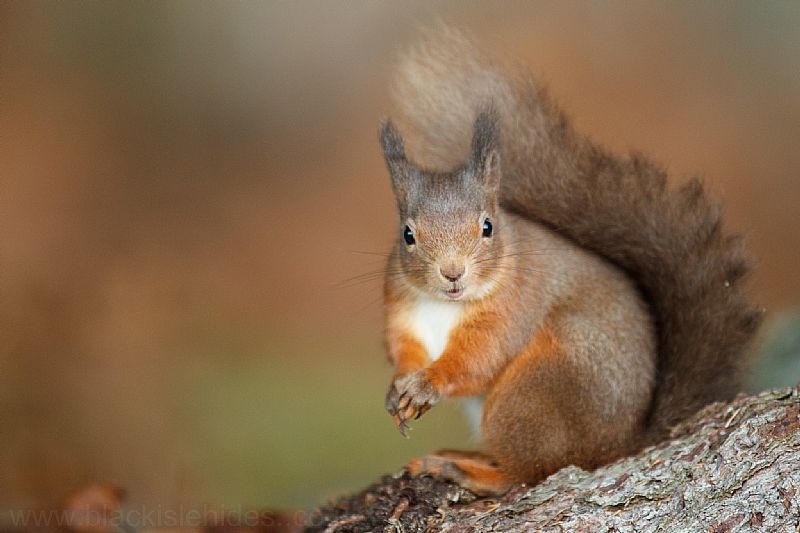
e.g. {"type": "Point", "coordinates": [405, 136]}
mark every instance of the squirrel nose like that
{"type": "Point", "coordinates": [451, 272]}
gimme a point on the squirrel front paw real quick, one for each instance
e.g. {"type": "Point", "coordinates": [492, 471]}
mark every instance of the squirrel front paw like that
{"type": "Point", "coordinates": [409, 397]}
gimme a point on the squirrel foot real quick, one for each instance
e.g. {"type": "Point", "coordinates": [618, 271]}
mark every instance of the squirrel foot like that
{"type": "Point", "coordinates": [474, 471]}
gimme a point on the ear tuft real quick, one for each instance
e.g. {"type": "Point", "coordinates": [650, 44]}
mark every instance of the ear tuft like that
{"type": "Point", "coordinates": [400, 170]}
{"type": "Point", "coordinates": [485, 160]}
{"type": "Point", "coordinates": [392, 142]}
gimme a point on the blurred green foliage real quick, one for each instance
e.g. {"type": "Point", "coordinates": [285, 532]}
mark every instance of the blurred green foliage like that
{"type": "Point", "coordinates": [299, 425]}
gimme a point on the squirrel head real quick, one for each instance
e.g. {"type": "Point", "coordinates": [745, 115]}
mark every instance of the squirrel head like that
{"type": "Point", "coordinates": [450, 235]}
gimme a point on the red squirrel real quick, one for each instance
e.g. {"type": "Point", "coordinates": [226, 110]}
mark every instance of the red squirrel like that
{"type": "Point", "coordinates": [581, 306]}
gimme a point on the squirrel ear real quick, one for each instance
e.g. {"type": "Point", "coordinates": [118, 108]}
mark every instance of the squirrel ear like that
{"type": "Point", "coordinates": [485, 162]}
{"type": "Point", "coordinates": [395, 155]}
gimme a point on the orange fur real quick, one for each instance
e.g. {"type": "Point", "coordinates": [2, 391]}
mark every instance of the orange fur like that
{"type": "Point", "coordinates": [404, 351]}
{"type": "Point", "coordinates": [473, 470]}
{"type": "Point", "coordinates": [482, 477]}
{"type": "Point", "coordinates": [545, 344]}
{"type": "Point", "coordinates": [407, 354]}
{"type": "Point", "coordinates": [470, 363]}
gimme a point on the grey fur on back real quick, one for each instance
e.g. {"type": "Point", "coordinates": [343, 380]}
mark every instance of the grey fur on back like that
{"type": "Point", "coordinates": [669, 242]}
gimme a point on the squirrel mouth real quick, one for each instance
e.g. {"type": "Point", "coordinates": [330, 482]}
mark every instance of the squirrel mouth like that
{"type": "Point", "coordinates": [454, 293]}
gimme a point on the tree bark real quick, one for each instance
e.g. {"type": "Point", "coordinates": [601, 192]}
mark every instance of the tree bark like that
{"type": "Point", "coordinates": [732, 467]}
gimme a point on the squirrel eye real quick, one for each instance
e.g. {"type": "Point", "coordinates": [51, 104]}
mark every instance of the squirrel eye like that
{"type": "Point", "coordinates": [408, 235]}
{"type": "Point", "coordinates": [487, 228]}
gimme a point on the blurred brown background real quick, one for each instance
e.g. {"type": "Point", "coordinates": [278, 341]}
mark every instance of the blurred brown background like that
{"type": "Point", "coordinates": [184, 187]}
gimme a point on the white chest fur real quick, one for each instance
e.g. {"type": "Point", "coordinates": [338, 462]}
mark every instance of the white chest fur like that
{"type": "Point", "coordinates": [432, 321]}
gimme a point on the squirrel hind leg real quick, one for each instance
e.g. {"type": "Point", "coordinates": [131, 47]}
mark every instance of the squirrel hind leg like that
{"type": "Point", "coordinates": [549, 409]}
{"type": "Point", "coordinates": [474, 471]}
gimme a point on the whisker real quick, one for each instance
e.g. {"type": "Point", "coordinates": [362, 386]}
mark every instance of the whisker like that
{"type": "Point", "coordinates": [522, 253]}
{"type": "Point", "coordinates": [378, 274]}
{"type": "Point", "coordinates": [381, 254]}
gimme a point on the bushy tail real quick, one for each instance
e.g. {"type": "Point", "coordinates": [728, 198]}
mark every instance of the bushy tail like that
{"type": "Point", "coordinates": [670, 242]}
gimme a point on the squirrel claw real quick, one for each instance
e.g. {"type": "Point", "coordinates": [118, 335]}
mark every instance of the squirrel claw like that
{"type": "Point", "coordinates": [402, 426]}
{"type": "Point", "coordinates": [410, 412]}
{"type": "Point", "coordinates": [424, 408]}
{"type": "Point", "coordinates": [404, 401]}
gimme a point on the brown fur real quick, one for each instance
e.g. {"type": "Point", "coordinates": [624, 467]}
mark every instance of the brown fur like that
{"type": "Point", "coordinates": [590, 251]}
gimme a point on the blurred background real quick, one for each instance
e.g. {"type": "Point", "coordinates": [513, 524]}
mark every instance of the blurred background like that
{"type": "Point", "coordinates": [186, 189]}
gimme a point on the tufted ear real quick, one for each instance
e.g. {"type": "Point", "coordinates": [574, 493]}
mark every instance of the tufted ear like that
{"type": "Point", "coordinates": [400, 170]}
{"type": "Point", "coordinates": [485, 156]}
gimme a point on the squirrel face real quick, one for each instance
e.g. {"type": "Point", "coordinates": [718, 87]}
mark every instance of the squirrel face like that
{"type": "Point", "coordinates": [450, 238]}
